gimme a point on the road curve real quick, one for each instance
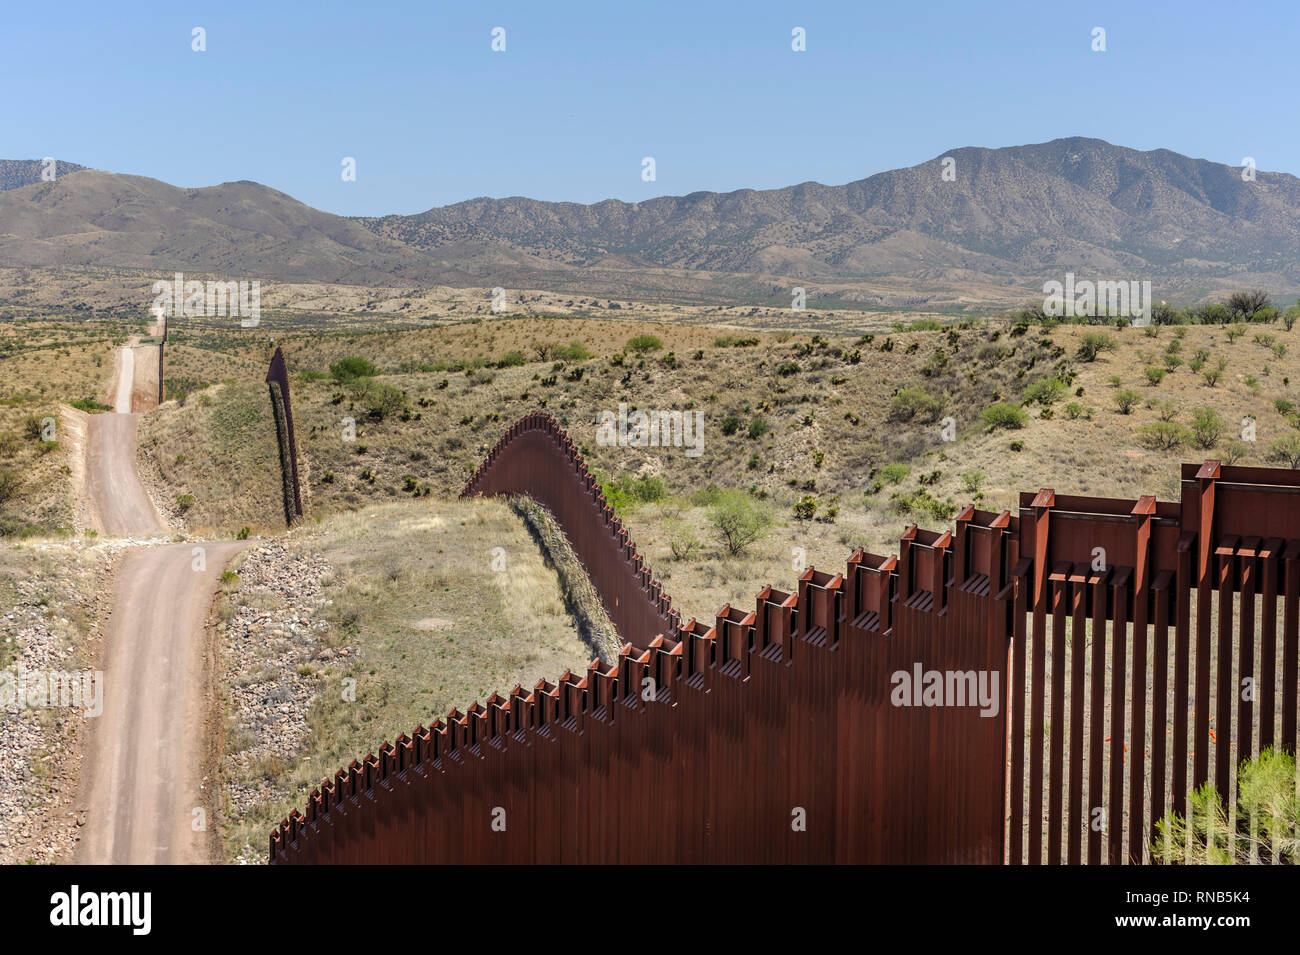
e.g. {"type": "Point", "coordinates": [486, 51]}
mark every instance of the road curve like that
{"type": "Point", "coordinates": [119, 503]}
{"type": "Point", "coordinates": [148, 753]}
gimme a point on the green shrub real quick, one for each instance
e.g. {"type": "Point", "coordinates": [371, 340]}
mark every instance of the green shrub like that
{"type": "Point", "coordinates": [684, 543]}
{"type": "Point", "coordinates": [1005, 415]}
{"type": "Point", "coordinates": [922, 501]}
{"type": "Point", "coordinates": [379, 398]}
{"type": "Point", "coordinates": [805, 508]}
{"type": "Point", "coordinates": [644, 343]}
{"type": "Point", "coordinates": [1126, 399]}
{"type": "Point", "coordinates": [90, 405]}
{"type": "Point", "coordinates": [916, 403]}
{"type": "Point", "coordinates": [347, 369]}
{"type": "Point", "coordinates": [894, 473]}
{"type": "Point", "coordinates": [1092, 344]}
{"type": "Point", "coordinates": [1154, 375]}
{"type": "Point", "coordinates": [1263, 826]}
{"type": "Point", "coordinates": [1164, 435]}
{"type": "Point", "coordinates": [1286, 450]}
{"type": "Point", "coordinates": [1207, 427]}
{"type": "Point", "coordinates": [184, 502]}
{"type": "Point", "coordinates": [631, 491]}
{"type": "Point", "coordinates": [757, 428]}
{"type": "Point", "coordinates": [730, 425]}
{"type": "Point", "coordinates": [574, 351]}
{"type": "Point", "coordinates": [1230, 452]}
{"type": "Point", "coordinates": [737, 519]}
{"type": "Point", "coordinates": [1212, 375]}
{"type": "Point", "coordinates": [1046, 391]}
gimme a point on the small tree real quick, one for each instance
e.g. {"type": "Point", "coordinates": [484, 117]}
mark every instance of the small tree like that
{"type": "Point", "coordinates": [1292, 314]}
{"type": "Point", "coordinates": [1207, 427]}
{"type": "Point", "coordinates": [1125, 399]}
{"type": "Point", "coordinates": [1233, 451]}
{"type": "Point", "coordinates": [1163, 435]}
{"type": "Point", "coordinates": [738, 520]}
{"type": "Point", "coordinates": [1213, 374]}
{"type": "Point", "coordinates": [916, 403]}
{"type": "Point", "coordinates": [1093, 344]}
{"type": "Point", "coordinates": [894, 473]}
{"type": "Point", "coordinates": [1251, 306]}
{"type": "Point", "coordinates": [683, 541]}
{"type": "Point", "coordinates": [1286, 450]}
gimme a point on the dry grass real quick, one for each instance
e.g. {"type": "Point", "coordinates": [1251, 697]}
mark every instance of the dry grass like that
{"type": "Point", "coordinates": [219, 448]}
{"type": "Point", "coordinates": [432, 624]}
{"type": "Point", "coordinates": [829, 426]}
{"type": "Point", "coordinates": [41, 365]}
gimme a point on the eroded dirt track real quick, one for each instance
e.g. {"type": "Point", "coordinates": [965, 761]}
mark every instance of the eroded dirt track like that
{"type": "Point", "coordinates": [148, 754]}
{"type": "Point", "coordinates": [144, 784]}
{"type": "Point", "coordinates": [116, 502]}
{"type": "Point", "coordinates": [119, 503]}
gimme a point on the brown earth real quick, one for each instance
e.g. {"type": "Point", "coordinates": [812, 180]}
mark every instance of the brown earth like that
{"type": "Point", "coordinates": [149, 763]}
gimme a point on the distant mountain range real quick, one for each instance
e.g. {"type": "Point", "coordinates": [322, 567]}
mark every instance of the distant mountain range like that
{"type": "Point", "coordinates": [1004, 219]}
{"type": "Point", "coordinates": [16, 173]}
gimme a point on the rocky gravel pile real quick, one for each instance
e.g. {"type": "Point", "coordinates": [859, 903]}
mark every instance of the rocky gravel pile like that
{"type": "Point", "coordinates": [39, 767]}
{"type": "Point", "coordinates": [31, 772]}
{"type": "Point", "coordinates": [274, 648]}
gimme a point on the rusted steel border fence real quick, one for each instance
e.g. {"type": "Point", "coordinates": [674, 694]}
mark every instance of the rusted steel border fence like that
{"type": "Point", "coordinates": [789, 733]}
{"type": "Point", "coordinates": [1162, 650]}
{"type": "Point", "coordinates": [535, 457]}
{"type": "Point", "coordinates": [277, 381]}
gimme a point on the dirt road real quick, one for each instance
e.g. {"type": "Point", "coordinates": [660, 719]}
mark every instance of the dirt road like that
{"type": "Point", "coordinates": [125, 379]}
{"type": "Point", "coordinates": [119, 503]}
{"type": "Point", "coordinates": [149, 752]}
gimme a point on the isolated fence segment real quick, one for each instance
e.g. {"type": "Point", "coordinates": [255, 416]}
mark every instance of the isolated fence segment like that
{"type": "Point", "coordinates": [779, 734]}
{"type": "Point", "coordinates": [277, 380]}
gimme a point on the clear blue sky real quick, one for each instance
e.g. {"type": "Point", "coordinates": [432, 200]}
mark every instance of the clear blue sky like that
{"type": "Point", "coordinates": [583, 91]}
